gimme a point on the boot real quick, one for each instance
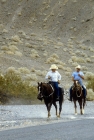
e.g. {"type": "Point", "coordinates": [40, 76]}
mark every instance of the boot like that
{"type": "Point", "coordinates": [70, 98]}
{"type": "Point", "coordinates": [57, 98]}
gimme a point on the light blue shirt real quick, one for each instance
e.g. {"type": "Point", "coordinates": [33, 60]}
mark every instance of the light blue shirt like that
{"type": "Point", "coordinates": [77, 77]}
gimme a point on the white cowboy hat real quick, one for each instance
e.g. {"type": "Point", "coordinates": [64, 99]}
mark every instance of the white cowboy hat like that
{"type": "Point", "coordinates": [53, 66]}
{"type": "Point", "coordinates": [78, 67]}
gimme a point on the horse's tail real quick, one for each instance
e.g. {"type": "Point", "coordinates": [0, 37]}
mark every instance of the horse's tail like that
{"type": "Point", "coordinates": [85, 98]}
{"type": "Point", "coordinates": [62, 93]}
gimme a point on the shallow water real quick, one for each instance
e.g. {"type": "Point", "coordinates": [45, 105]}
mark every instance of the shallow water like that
{"type": "Point", "coordinates": [15, 116]}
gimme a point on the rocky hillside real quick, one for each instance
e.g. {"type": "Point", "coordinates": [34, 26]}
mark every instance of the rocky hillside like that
{"type": "Point", "coordinates": [37, 33]}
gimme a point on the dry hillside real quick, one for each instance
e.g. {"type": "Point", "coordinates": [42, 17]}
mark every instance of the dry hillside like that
{"type": "Point", "coordinates": [37, 33]}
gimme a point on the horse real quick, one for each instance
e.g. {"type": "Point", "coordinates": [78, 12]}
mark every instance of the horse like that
{"type": "Point", "coordinates": [47, 93]}
{"type": "Point", "coordinates": [77, 95]}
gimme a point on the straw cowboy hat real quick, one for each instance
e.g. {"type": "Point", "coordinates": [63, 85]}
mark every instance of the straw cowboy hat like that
{"type": "Point", "coordinates": [78, 67]}
{"type": "Point", "coordinates": [53, 66]}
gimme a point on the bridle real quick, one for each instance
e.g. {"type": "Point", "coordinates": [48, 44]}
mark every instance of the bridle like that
{"type": "Point", "coordinates": [77, 88]}
{"type": "Point", "coordinates": [41, 91]}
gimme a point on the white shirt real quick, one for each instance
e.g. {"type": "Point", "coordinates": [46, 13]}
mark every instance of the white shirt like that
{"type": "Point", "coordinates": [55, 76]}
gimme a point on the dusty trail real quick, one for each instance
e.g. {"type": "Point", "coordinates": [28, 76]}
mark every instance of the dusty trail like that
{"type": "Point", "coordinates": [17, 116]}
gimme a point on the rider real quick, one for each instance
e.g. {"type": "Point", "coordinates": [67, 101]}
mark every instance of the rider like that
{"type": "Point", "coordinates": [54, 78]}
{"type": "Point", "coordinates": [79, 76]}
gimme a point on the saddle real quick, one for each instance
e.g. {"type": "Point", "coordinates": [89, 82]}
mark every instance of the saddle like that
{"type": "Point", "coordinates": [60, 88]}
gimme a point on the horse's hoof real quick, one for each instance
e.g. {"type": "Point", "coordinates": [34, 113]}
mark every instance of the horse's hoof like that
{"type": "Point", "coordinates": [75, 113]}
{"type": "Point", "coordinates": [58, 116]}
{"type": "Point", "coordinates": [83, 112]}
{"type": "Point", "coordinates": [49, 116]}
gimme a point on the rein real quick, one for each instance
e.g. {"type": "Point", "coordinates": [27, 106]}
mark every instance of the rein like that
{"type": "Point", "coordinates": [78, 90]}
{"type": "Point", "coordinates": [50, 93]}
{"type": "Point", "coordinates": [78, 95]}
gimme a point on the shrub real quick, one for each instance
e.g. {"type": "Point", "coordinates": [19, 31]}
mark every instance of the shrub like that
{"type": "Point", "coordinates": [67, 73]}
{"type": "Point", "coordinates": [51, 60]}
{"type": "Point", "coordinates": [88, 60]}
{"type": "Point", "coordinates": [90, 87]}
{"type": "Point", "coordinates": [13, 48]}
{"type": "Point", "coordinates": [12, 84]}
{"type": "Point", "coordinates": [77, 59]}
{"type": "Point", "coordinates": [3, 1]}
{"type": "Point", "coordinates": [12, 70]}
{"type": "Point", "coordinates": [90, 84]}
{"type": "Point", "coordinates": [89, 76]}
{"type": "Point", "coordinates": [24, 70]}
{"type": "Point", "coordinates": [29, 77]}
{"type": "Point", "coordinates": [16, 38]}
{"type": "Point", "coordinates": [34, 54]}
{"type": "Point", "coordinates": [90, 94]}
{"type": "Point", "coordinates": [84, 68]}
{"type": "Point", "coordinates": [10, 52]}
{"type": "Point", "coordinates": [82, 46]}
{"type": "Point", "coordinates": [18, 53]}
{"type": "Point", "coordinates": [4, 48]}
{"type": "Point", "coordinates": [55, 56]}
{"type": "Point", "coordinates": [60, 66]}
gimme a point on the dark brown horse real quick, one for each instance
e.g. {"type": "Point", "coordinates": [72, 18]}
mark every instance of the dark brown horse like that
{"type": "Point", "coordinates": [77, 95]}
{"type": "Point", "coordinates": [46, 92]}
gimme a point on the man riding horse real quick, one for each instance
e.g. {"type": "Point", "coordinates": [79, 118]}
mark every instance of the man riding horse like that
{"type": "Point", "coordinates": [78, 76]}
{"type": "Point", "coordinates": [54, 78]}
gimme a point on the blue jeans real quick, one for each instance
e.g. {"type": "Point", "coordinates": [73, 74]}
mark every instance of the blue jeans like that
{"type": "Point", "coordinates": [70, 93]}
{"type": "Point", "coordinates": [84, 91]}
{"type": "Point", "coordinates": [55, 85]}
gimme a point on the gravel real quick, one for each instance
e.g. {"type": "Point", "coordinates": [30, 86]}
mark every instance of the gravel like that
{"type": "Point", "coordinates": [17, 116]}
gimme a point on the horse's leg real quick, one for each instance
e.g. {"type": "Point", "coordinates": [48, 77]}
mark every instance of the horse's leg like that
{"type": "Point", "coordinates": [75, 106]}
{"type": "Point", "coordinates": [61, 101]}
{"type": "Point", "coordinates": [83, 104]}
{"type": "Point", "coordinates": [46, 106]}
{"type": "Point", "coordinates": [54, 103]}
{"type": "Point", "coordinates": [49, 108]}
{"type": "Point", "coordinates": [81, 108]}
{"type": "Point", "coordinates": [60, 108]}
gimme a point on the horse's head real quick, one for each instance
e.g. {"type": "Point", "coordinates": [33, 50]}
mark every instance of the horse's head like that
{"type": "Point", "coordinates": [40, 88]}
{"type": "Point", "coordinates": [77, 89]}
{"type": "Point", "coordinates": [40, 91]}
{"type": "Point", "coordinates": [76, 83]}
{"type": "Point", "coordinates": [45, 90]}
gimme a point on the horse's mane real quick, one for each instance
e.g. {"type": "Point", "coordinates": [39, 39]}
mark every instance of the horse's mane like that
{"type": "Point", "coordinates": [76, 84]}
{"type": "Point", "coordinates": [77, 89]}
{"type": "Point", "coordinates": [48, 87]}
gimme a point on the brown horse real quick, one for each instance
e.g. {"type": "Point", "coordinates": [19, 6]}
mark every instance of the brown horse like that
{"type": "Point", "coordinates": [46, 92]}
{"type": "Point", "coordinates": [77, 95]}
